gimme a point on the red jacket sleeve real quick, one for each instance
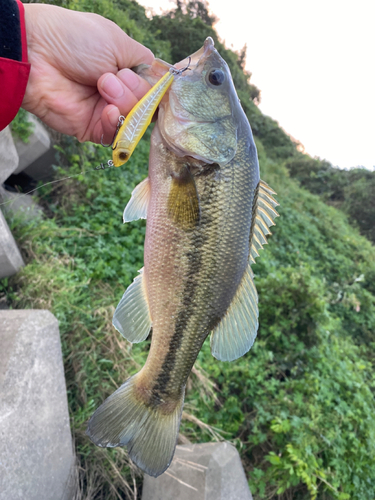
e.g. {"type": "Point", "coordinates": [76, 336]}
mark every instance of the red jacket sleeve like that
{"type": "Point", "coordinates": [15, 69]}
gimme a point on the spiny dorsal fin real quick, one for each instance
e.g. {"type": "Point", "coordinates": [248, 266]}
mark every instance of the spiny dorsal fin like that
{"type": "Point", "coordinates": [132, 316]}
{"type": "Point", "coordinates": [236, 332]}
{"type": "Point", "coordinates": [138, 203]}
{"type": "Point", "coordinates": [264, 215]}
{"type": "Point", "coordinates": [183, 202]}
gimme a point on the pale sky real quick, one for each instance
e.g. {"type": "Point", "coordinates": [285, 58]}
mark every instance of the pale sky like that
{"type": "Point", "coordinates": [314, 62]}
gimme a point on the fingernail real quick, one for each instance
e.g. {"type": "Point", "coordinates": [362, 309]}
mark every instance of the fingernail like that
{"type": "Point", "coordinates": [129, 78]}
{"type": "Point", "coordinates": [113, 116]}
{"type": "Point", "coordinates": [112, 86]}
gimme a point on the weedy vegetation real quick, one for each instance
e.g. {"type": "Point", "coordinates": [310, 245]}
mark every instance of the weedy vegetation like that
{"type": "Point", "coordinates": [300, 405]}
{"type": "Point", "coordinates": [21, 127]}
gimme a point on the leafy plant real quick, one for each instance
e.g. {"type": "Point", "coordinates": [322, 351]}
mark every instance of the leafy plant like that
{"type": "Point", "coordinates": [21, 126]}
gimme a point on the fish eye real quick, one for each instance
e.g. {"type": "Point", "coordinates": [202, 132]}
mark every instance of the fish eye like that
{"type": "Point", "coordinates": [216, 77]}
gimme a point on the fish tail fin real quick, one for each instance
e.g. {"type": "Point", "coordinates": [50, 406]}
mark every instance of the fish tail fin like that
{"type": "Point", "coordinates": [150, 432]}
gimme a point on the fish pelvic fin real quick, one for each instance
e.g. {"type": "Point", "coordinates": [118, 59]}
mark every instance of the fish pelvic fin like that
{"type": "Point", "coordinates": [138, 203]}
{"type": "Point", "coordinates": [264, 214]}
{"type": "Point", "coordinates": [150, 432]}
{"type": "Point", "coordinates": [132, 316]}
{"type": "Point", "coordinates": [235, 334]}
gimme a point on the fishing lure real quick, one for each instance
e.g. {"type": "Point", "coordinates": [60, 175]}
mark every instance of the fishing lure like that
{"type": "Point", "coordinates": [135, 125]}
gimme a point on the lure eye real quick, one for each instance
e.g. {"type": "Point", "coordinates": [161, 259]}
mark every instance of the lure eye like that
{"type": "Point", "coordinates": [216, 77]}
{"type": "Point", "coordinates": [123, 156]}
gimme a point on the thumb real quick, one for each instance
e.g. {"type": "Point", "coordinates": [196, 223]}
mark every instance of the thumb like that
{"type": "Point", "coordinates": [129, 52]}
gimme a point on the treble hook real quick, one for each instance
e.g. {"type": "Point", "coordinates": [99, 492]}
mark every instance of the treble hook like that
{"type": "Point", "coordinates": [120, 122]}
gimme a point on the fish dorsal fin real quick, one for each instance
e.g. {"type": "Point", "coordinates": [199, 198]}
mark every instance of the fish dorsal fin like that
{"type": "Point", "coordinates": [132, 316]}
{"type": "Point", "coordinates": [183, 202]}
{"type": "Point", "coordinates": [264, 215]}
{"type": "Point", "coordinates": [236, 332]}
{"type": "Point", "coordinates": [138, 203]}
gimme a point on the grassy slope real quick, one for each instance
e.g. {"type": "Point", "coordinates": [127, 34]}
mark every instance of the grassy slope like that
{"type": "Point", "coordinates": [299, 406]}
{"type": "Point", "coordinates": [302, 393]}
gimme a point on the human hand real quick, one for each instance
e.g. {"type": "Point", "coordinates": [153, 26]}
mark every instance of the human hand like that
{"type": "Point", "coordinates": [79, 84]}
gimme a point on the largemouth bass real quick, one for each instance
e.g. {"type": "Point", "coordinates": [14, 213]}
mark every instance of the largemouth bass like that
{"type": "Point", "coordinates": [208, 214]}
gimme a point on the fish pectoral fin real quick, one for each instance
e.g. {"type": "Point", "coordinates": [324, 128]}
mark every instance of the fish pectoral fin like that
{"type": "Point", "coordinates": [236, 332]}
{"type": "Point", "coordinates": [183, 201]}
{"type": "Point", "coordinates": [264, 215]}
{"type": "Point", "coordinates": [132, 316]}
{"type": "Point", "coordinates": [138, 203]}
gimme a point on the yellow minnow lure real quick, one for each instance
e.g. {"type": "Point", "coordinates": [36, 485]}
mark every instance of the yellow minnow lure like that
{"type": "Point", "coordinates": [135, 125]}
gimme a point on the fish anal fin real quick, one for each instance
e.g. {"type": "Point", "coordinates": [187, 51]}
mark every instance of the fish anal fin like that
{"type": "Point", "coordinates": [132, 316]}
{"type": "Point", "coordinates": [264, 214]}
{"type": "Point", "coordinates": [183, 202]}
{"type": "Point", "coordinates": [236, 332]}
{"type": "Point", "coordinates": [138, 203]}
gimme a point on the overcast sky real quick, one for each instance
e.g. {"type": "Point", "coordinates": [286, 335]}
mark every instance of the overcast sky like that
{"type": "Point", "coordinates": [314, 62]}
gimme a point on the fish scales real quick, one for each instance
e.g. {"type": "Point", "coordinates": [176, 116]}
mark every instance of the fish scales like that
{"type": "Point", "coordinates": [208, 263]}
{"type": "Point", "coordinates": [208, 214]}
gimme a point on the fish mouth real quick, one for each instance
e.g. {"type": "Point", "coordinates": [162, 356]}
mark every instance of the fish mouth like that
{"type": "Point", "coordinates": [200, 55]}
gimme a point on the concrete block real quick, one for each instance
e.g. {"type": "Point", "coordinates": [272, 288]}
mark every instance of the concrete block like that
{"type": "Point", "coordinates": [209, 471]}
{"type": "Point", "coordinates": [21, 206]}
{"type": "Point", "coordinates": [8, 155]}
{"type": "Point", "coordinates": [39, 143]}
{"type": "Point", "coordinates": [3, 302]}
{"type": "Point", "coordinates": [41, 169]}
{"type": "Point", "coordinates": [36, 455]}
{"type": "Point", "coordinates": [10, 257]}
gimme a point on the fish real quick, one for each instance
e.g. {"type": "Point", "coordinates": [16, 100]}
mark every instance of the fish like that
{"type": "Point", "coordinates": [208, 215]}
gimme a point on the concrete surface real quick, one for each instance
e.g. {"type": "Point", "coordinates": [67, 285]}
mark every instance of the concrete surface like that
{"type": "Point", "coordinates": [39, 143]}
{"type": "Point", "coordinates": [41, 169]}
{"type": "Point", "coordinates": [21, 206]}
{"type": "Point", "coordinates": [36, 456]}
{"type": "Point", "coordinates": [10, 257]}
{"type": "Point", "coordinates": [8, 155]}
{"type": "Point", "coordinates": [208, 471]}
